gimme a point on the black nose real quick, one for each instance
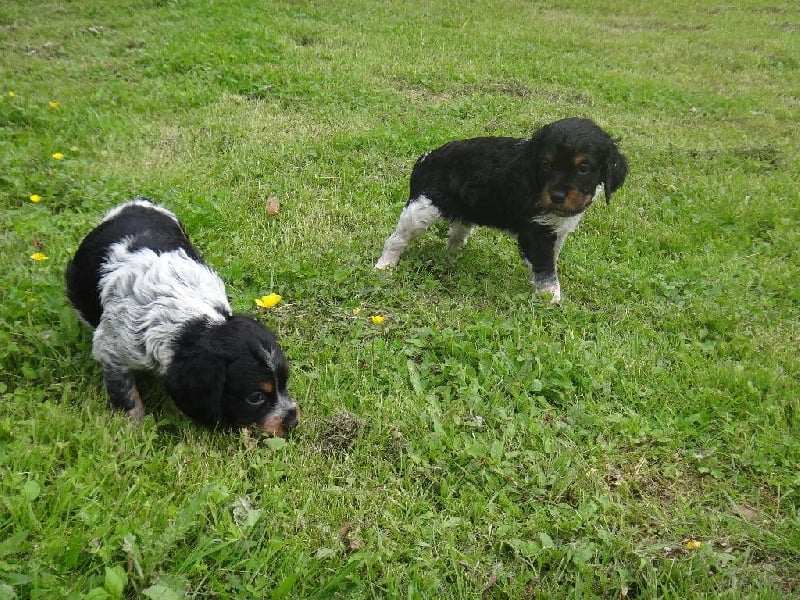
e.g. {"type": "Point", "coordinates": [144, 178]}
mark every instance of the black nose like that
{"type": "Point", "coordinates": [557, 196]}
{"type": "Point", "coordinates": [290, 419]}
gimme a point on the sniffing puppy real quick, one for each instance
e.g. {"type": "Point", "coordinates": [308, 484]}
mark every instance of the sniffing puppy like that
{"type": "Point", "coordinates": [156, 306]}
{"type": "Point", "coordinates": [536, 189]}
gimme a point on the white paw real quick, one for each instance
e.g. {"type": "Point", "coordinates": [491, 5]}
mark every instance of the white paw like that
{"type": "Point", "coordinates": [456, 245]}
{"type": "Point", "coordinates": [385, 263]}
{"type": "Point", "coordinates": [549, 289]}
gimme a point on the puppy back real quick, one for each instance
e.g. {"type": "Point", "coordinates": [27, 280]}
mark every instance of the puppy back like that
{"type": "Point", "coordinates": [143, 225]}
{"type": "Point", "coordinates": [481, 162]}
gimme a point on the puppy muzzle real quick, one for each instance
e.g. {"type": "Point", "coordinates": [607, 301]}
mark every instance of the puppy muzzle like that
{"type": "Point", "coordinates": [281, 423]}
{"type": "Point", "coordinates": [566, 203]}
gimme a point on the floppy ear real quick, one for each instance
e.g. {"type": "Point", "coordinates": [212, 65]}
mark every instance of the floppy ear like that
{"type": "Point", "coordinates": [616, 171]}
{"type": "Point", "coordinates": [196, 381]}
{"type": "Point", "coordinates": [534, 143]}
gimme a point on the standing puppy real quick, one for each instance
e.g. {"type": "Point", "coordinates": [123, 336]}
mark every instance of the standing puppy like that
{"type": "Point", "coordinates": [536, 189]}
{"type": "Point", "coordinates": [156, 306]}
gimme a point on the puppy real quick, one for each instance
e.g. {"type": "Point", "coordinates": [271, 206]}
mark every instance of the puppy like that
{"type": "Point", "coordinates": [156, 306]}
{"type": "Point", "coordinates": [536, 189]}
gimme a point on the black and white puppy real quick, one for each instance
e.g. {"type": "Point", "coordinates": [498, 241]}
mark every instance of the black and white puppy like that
{"type": "Point", "coordinates": [536, 189]}
{"type": "Point", "coordinates": [156, 306]}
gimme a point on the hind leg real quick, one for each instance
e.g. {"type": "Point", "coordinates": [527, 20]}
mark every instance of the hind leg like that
{"type": "Point", "coordinates": [459, 232]}
{"type": "Point", "coordinates": [417, 216]}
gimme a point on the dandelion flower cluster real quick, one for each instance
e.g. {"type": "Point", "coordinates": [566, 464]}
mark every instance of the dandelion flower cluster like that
{"type": "Point", "coordinates": [375, 319]}
{"type": "Point", "coordinates": [693, 544]}
{"type": "Point", "coordinates": [36, 198]}
{"type": "Point", "coordinates": [268, 301]}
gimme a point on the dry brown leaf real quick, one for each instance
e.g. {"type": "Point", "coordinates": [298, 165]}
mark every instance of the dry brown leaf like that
{"type": "Point", "coordinates": [273, 206]}
{"type": "Point", "coordinates": [746, 512]}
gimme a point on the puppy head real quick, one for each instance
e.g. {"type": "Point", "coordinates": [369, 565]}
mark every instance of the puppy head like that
{"type": "Point", "coordinates": [233, 373]}
{"type": "Point", "coordinates": [571, 157]}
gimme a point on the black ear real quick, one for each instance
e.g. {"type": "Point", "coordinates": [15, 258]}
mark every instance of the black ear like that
{"type": "Point", "coordinates": [534, 143]}
{"type": "Point", "coordinates": [196, 382]}
{"type": "Point", "coordinates": [616, 172]}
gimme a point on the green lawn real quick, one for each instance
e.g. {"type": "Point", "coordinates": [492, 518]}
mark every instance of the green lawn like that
{"type": "Point", "coordinates": [641, 440]}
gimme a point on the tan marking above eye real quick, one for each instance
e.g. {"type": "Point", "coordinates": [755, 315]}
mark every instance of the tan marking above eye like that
{"type": "Point", "coordinates": [579, 158]}
{"type": "Point", "coordinates": [267, 387]}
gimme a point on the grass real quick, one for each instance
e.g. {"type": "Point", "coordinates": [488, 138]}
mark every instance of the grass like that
{"type": "Point", "coordinates": [479, 443]}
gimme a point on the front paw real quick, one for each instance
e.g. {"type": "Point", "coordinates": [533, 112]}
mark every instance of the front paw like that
{"type": "Point", "coordinates": [386, 262]}
{"type": "Point", "coordinates": [548, 286]}
{"type": "Point", "coordinates": [136, 414]}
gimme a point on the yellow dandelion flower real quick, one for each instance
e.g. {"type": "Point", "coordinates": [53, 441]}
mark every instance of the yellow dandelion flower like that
{"type": "Point", "coordinates": [693, 544]}
{"type": "Point", "coordinates": [12, 95]}
{"type": "Point", "coordinates": [35, 198]}
{"type": "Point", "coordinates": [58, 156]}
{"type": "Point", "coordinates": [268, 301]}
{"type": "Point", "coordinates": [52, 104]}
{"type": "Point", "coordinates": [39, 256]}
{"type": "Point", "coordinates": [377, 319]}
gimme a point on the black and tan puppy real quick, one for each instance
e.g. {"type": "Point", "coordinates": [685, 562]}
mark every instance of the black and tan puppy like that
{"type": "Point", "coordinates": [536, 189]}
{"type": "Point", "coordinates": [157, 306]}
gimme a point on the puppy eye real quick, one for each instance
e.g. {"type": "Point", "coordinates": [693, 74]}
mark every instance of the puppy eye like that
{"type": "Point", "coordinates": [255, 399]}
{"type": "Point", "coordinates": [584, 168]}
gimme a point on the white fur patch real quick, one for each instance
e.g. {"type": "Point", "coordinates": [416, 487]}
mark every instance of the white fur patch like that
{"type": "Point", "coordinates": [284, 405]}
{"type": "Point", "coordinates": [458, 234]}
{"type": "Point", "coordinates": [417, 216]}
{"type": "Point", "coordinates": [139, 202]}
{"type": "Point", "coordinates": [561, 226]}
{"type": "Point", "coordinates": [146, 299]}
